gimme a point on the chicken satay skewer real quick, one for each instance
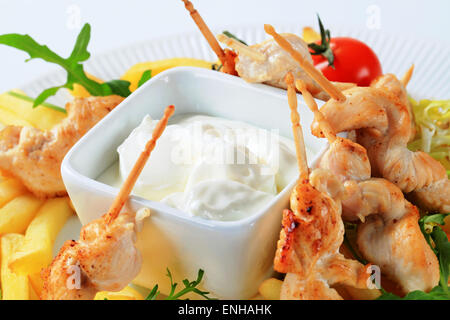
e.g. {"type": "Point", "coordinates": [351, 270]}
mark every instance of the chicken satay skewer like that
{"type": "Point", "coordinates": [345, 158]}
{"type": "Point", "coordinates": [382, 201]}
{"type": "Point", "coordinates": [421, 174]}
{"type": "Point", "coordinates": [327, 86]}
{"type": "Point", "coordinates": [385, 125]}
{"type": "Point", "coordinates": [253, 64]}
{"type": "Point", "coordinates": [105, 255]}
{"type": "Point", "coordinates": [315, 217]}
{"type": "Point", "coordinates": [241, 48]}
{"type": "Point", "coordinates": [225, 57]}
{"type": "Point", "coordinates": [299, 143]}
{"type": "Point", "coordinates": [129, 183]}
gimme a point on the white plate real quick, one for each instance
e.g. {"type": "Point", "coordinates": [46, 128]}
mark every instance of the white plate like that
{"type": "Point", "coordinates": [431, 77]}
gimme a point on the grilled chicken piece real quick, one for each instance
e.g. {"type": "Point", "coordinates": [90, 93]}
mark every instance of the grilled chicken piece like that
{"type": "Point", "coordinates": [349, 162]}
{"type": "Point", "coordinates": [104, 259]}
{"type": "Point", "coordinates": [34, 156]}
{"type": "Point", "coordinates": [390, 236]}
{"type": "Point", "coordinates": [392, 84]}
{"type": "Point", "coordinates": [275, 63]}
{"type": "Point", "coordinates": [347, 159]}
{"type": "Point", "coordinates": [265, 62]}
{"type": "Point", "coordinates": [384, 129]}
{"type": "Point", "coordinates": [398, 247]}
{"type": "Point", "coordinates": [308, 249]}
{"type": "Point", "coordinates": [364, 107]}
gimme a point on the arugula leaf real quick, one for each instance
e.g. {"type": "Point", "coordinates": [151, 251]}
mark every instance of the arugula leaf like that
{"type": "Point", "coordinates": [437, 293]}
{"type": "Point", "coordinates": [427, 225]}
{"type": "Point", "coordinates": [73, 66]}
{"type": "Point", "coordinates": [230, 35]}
{"type": "Point", "coordinates": [442, 246]}
{"type": "Point", "coordinates": [188, 287]}
{"type": "Point", "coordinates": [119, 87]}
{"type": "Point", "coordinates": [146, 75]}
{"type": "Point", "coordinates": [435, 219]}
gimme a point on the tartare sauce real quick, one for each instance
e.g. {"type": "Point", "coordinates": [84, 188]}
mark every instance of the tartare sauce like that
{"type": "Point", "coordinates": [207, 166]}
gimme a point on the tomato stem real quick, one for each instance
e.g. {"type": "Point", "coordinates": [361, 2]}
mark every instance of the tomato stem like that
{"type": "Point", "coordinates": [323, 48]}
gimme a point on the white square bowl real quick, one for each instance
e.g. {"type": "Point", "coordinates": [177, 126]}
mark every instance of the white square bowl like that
{"type": "Point", "coordinates": [236, 255]}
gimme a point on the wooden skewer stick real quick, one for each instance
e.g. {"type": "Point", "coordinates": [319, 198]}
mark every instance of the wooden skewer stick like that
{"type": "Point", "coordinates": [407, 76]}
{"type": "Point", "coordinates": [241, 48]}
{"type": "Point", "coordinates": [297, 128]}
{"type": "Point", "coordinates": [312, 105]}
{"type": "Point", "coordinates": [341, 86]}
{"type": "Point", "coordinates": [327, 86]}
{"type": "Point", "coordinates": [205, 31]}
{"type": "Point", "coordinates": [129, 183]}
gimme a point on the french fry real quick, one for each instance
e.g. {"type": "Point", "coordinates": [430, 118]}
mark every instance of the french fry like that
{"type": "Point", "coordinates": [342, 291]}
{"type": "Point", "coordinates": [134, 74]}
{"type": "Point", "coordinates": [36, 283]}
{"type": "Point", "coordinates": [14, 286]}
{"type": "Point", "coordinates": [17, 214]}
{"type": "Point", "coordinates": [32, 293]}
{"type": "Point", "coordinates": [310, 35]}
{"type": "Point", "coordinates": [9, 118]}
{"type": "Point", "coordinates": [9, 189]}
{"type": "Point", "coordinates": [41, 117]}
{"type": "Point", "coordinates": [270, 289]}
{"type": "Point", "coordinates": [35, 252]}
{"type": "Point", "coordinates": [362, 294]}
{"type": "Point", "coordinates": [128, 293]}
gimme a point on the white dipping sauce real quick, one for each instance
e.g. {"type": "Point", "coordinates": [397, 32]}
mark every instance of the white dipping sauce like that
{"type": "Point", "coordinates": [208, 167]}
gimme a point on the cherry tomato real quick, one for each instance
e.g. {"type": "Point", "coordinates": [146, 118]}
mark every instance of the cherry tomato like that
{"type": "Point", "coordinates": [354, 61]}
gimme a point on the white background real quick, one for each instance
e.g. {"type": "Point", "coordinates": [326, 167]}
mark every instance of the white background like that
{"type": "Point", "coordinates": [118, 23]}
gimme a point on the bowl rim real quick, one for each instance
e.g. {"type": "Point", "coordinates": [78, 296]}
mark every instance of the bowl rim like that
{"type": "Point", "coordinates": [69, 172]}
